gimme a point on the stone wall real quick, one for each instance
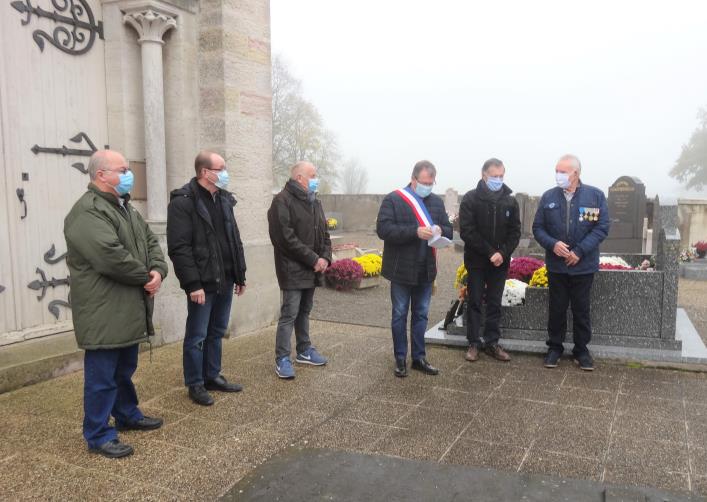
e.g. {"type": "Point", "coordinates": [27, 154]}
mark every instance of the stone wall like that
{"type": "Point", "coordinates": [693, 221]}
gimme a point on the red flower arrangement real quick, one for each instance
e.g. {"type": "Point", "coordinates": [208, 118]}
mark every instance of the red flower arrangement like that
{"type": "Point", "coordinates": [701, 248]}
{"type": "Point", "coordinates": [611, 266]}
{"type": "Point", "coordinates": [344, 274]}
{"type": "Point", "coordinates": [523, 268]}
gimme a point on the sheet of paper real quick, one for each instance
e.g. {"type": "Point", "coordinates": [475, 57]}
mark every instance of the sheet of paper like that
{"type": "Point", "coordinates": [439, 242]}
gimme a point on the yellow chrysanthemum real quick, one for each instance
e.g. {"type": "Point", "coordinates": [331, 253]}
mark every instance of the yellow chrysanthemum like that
{"type": "Point", "coordinates": [539, 279]}
{"type": "Point", "coordinates": [372, 264]}
{"type": "Point", "coordinates": [460, 279]}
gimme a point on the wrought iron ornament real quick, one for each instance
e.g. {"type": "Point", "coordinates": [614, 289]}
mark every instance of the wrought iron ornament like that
{"type": "Point", "coordinates": [45, 284]}
{"type": "Point", "coordinates": [64, 150]}
{"type": "Point", "coordinates": [49, 256]}
{"type": "Point", "coordinates": [77, 27]}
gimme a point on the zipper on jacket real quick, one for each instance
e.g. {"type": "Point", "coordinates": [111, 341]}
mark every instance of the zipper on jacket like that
{"type": "Point", "coordinates": [494, 223]}
{"type": "Point", "coordinates": [567, 219]}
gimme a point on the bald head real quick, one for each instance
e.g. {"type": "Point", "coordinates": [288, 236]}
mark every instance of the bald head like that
{"type": "Point", "coordinates": [303, 168]}
{"type": "Point", "coordinates": [207, 160]}
{"type": "Point", "coordinates": [105, 160]}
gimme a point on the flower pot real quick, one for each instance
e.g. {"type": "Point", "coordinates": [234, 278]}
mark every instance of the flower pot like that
{"type": "Point", "coordinates": [701, 254]}
{"type": "Point", "coordinates": [369, 282]}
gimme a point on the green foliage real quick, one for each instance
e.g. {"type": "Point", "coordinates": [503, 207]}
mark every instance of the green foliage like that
{"type": "Point", "coordinates": [691, 166]}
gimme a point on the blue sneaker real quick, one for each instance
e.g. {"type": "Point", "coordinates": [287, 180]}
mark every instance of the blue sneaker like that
{"type": "Point", "coordinates": [311, 356]}
{"type": "Point", "coordinates": [284, 368]}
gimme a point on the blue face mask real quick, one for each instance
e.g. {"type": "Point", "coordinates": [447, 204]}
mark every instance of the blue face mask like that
{"type": "Point", "coordinates": [126, 183]}
{"type": "Point", "coordinates": [423, 190]}
{"type": "Point", "coordinates": [494, 184]}
{"type": "Point", "coordinates": [313, 185]}
{"type": "Point", "coordinates": [223, 179]}
{"type": "Point", "coordinates": [563, 180]}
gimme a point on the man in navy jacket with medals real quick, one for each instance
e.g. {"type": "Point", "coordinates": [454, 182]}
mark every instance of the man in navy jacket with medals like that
{"type": "Point", "coordinates": [407, 220]}
{"type": "Point", "coordinates": [571, 222]}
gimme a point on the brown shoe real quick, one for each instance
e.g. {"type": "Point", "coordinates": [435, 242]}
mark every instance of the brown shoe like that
{"type": "Point", "coordinates": [472, 354]}
{"type": "Point", "coordinates": [497, 352]}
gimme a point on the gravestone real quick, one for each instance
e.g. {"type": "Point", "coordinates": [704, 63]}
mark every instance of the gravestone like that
{"type": "Point", "coordinates": [627, 210]}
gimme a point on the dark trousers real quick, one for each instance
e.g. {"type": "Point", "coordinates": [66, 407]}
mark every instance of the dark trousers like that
{"type": "Point", "coordinates": [108, 390]}
{"type": "Point", "coordinates": [565, 291]}
{"type": "Point", "coordinates": [487, 282]}
{"type": "Point", "coordinates": [206, 326]}
{"type": "Point", "coordinates": [417, 300]}
{"type": "Point", "coordinates": [294, 314]}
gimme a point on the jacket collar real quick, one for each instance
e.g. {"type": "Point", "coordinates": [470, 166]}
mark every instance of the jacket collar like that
{"type": "Point", "coordinates": [111, 198]}
{"type": "Point", "coordinates": [296, 189]}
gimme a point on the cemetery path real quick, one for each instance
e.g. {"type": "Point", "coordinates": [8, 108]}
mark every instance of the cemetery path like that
{"type": "Point", "coordinates": [619, 425]}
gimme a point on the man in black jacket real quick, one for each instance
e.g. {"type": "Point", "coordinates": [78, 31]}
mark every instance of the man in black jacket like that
{"type": "Point", "coordinates": [302, 247]}
{"type": "Point", "coordinates": [205, 247]}
{"type": "Point", "coordinates": [407, 220]}
{"type": "Point", "coordinates": [489, 225]}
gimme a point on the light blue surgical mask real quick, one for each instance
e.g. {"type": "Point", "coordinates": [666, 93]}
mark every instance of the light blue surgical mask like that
{"type": "Point", "coordinates": [223, 179]}
{"type": "Point", "coordinates": [125, 185]}
{"type": "Point", "coordinates": [494, 183]}
{"type": "Point", "coordinates": [563, 180]}
{"type": "Point", "coordinates": [423, 190]}
{"type": "Point", "coordinates": [313, 185]}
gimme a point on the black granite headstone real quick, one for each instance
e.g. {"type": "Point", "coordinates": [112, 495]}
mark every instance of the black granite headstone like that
{"type": "Point", "coordinates": [627, 209]}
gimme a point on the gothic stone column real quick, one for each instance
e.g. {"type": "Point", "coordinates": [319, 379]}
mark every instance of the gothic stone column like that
{"type": "Point", "coordinates": [152, 20]}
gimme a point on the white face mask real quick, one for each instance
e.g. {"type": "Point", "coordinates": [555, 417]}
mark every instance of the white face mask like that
{"type": "Point", "coordinates": [563, 180]}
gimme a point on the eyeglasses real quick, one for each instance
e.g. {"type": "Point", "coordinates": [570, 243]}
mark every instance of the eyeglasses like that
{"type": "Point", "coordinates": [121, 170]}
{"type": "Point", "coordinates": [418, 180]}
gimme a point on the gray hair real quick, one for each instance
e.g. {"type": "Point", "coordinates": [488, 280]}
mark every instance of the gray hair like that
{"type": "Point", "coordinates": [97, 162]}
{"type": "Point", "coordinates": [573, 158]}
{"type": "Point", "coordinates": [298, 167]}
{"type": "Point", "coordinates": [424, 165]}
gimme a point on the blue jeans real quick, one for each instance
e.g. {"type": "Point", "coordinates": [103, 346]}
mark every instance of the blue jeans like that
{"type": "Point", "coordinates": [108, 390]}
{"type": "Point", "coordinates": [417, 300]}
{"type": "Point", "coordinates": [206, 326]}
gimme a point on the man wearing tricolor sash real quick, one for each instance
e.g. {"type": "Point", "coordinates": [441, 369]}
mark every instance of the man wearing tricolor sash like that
{"type": "Point", "coordinates": [409, 220]}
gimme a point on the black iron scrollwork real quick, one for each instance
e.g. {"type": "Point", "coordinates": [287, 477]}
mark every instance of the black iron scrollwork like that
{"type": "Point", "coordinates": [76, 28]}
{"type": "Point", "coordinates": [21, 196]}
{"type": "Point", "coordinates": [64, 150]}
{"type": "Point", "coordinates": [54, 305]}
{"type": "Point", "coordinates": [45, 284]}
{"type": "Point", "coordinates": [49, 256]}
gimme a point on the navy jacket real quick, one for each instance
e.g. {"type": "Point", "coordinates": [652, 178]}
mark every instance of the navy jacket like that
{"type": "Point", "coordinates": [397, 227]}
{"type": "Point", "coordinates": [582, 229]}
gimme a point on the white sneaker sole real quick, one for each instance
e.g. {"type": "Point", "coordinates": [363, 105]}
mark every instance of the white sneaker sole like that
{"type": "Point", "coordinates": [301, 361]}
{"type": "Point", "coordinates": [284, 377]}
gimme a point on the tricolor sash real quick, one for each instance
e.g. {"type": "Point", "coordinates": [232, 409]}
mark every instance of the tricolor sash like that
{"type": "Point", "coordinates": [417, 205]}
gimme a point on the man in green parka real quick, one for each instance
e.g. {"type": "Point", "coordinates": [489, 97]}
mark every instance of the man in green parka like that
{"type": "Point", "coordinates": [116, 268]}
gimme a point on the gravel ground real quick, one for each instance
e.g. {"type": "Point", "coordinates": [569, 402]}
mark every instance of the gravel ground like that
{"type": "Point", "coordinates": [371, 307]}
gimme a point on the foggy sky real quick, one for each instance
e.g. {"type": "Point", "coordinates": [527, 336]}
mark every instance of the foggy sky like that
{"type": "Point", "coordinates": [618, 83]}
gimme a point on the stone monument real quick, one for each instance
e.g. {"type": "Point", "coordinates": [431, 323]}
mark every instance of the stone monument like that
{"type": "Point", "coordinates": [627, 210]}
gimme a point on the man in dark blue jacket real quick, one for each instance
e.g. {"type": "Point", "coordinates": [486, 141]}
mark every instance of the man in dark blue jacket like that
{"type": "Point", "coordinates": [408, 218]}
{"type": "Point", "coordinates": [571, 222]}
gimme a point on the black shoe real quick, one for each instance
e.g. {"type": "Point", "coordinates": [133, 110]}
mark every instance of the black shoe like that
{"type": "Point", "coordinates": [198, 394]}
{"type": "Point", "coordinates": [401, 369]}
{"type": "Point", "coordinates": [113, 449]}
{"type": "Point", "coordinates": [221, 384]}
{"type": "Point", "coordinates": [552, 358]}
{"type": "Point", "coordinates": [585, 361]}
{"type": "Point", "coordinates": [145, 424]}
{"type": "Point", "coordinates": [424, 366]}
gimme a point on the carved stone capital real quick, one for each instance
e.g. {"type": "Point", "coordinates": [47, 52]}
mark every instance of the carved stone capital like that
{"type": "Point", "coordinates": [150, 24]}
